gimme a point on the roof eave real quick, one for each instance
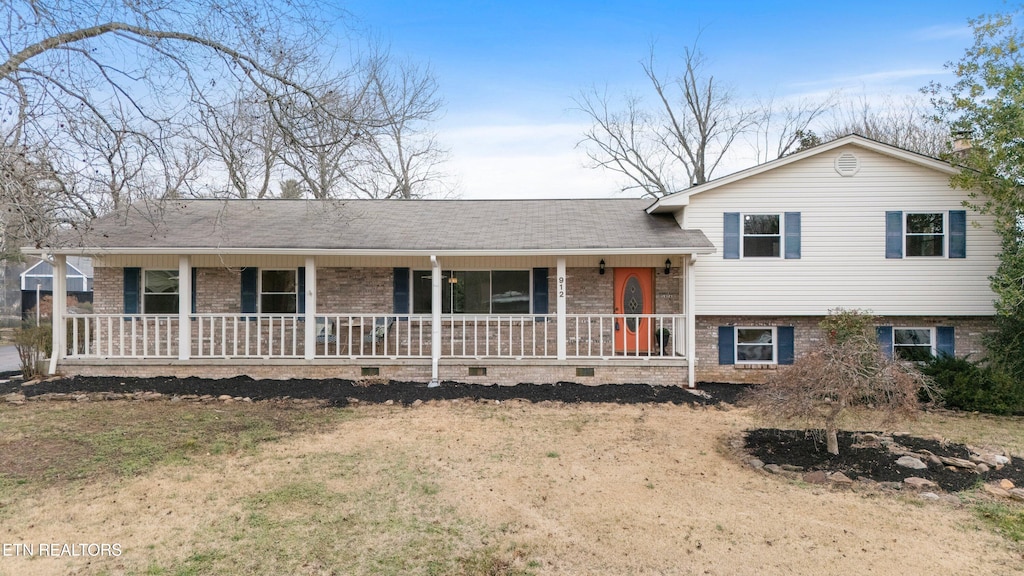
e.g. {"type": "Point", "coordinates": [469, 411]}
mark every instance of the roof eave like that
{"type": "Point", "coordinates": [138, 251]}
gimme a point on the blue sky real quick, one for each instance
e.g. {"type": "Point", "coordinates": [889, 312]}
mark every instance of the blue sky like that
{"type": "Point", "coordinates": [508, 70]}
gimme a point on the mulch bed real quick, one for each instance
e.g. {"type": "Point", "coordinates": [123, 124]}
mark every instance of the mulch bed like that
{"type": "Point", "coordinates": [341, 392]}
{"type": "Point", "coordinates": [796, 448]}
{"type": "Point", "coordinates": [807, 450]}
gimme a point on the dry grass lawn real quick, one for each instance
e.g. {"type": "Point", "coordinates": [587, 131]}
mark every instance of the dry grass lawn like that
{"type": "Point", "coordinates": [455, 488]}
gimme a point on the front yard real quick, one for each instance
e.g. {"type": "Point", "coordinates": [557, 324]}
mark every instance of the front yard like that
{"type": "Point", "coordinates": [454, 487]}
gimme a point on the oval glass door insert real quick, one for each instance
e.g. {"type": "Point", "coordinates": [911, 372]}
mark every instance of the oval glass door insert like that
{"type": "Point", "coordinates": [632, 302]}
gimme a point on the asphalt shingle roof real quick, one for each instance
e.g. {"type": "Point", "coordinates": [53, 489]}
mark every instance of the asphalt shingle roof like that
{"type": "Point", "coordinates": [421, 225]}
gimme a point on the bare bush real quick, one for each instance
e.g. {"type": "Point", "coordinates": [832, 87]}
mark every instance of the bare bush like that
{"type": "Point", "coordinates": [845, 375]}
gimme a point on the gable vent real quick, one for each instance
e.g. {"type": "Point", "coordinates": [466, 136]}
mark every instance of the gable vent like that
{"type": "Point", "coordinates": [847, 164]}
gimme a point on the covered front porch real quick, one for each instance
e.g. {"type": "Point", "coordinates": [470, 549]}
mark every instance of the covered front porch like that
{"type": "Point", "coordinates": [574, 318]}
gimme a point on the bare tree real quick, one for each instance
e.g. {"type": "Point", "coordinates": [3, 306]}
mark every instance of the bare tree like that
{"type": "Point", "coordinates": [846, 375]}
{"type": "Point", "coordinates": [907, 123]}
{"type": "Point", "coordinates": [320, 140]}
{"type": "Point", "coordinates": [369, 137]}
{"type": "Point", "coordinates": [623, 141]}
{"type": "Point", "coordinates": [785, 127]}
{"type": "Point", "coordinates": [402, 157]}
{"type": "Point", "coordinates": [243, 138]}
{"type": "Point", "coordinates": [694, 123]}
{"type": "Point", "coordinates": [130, 73]}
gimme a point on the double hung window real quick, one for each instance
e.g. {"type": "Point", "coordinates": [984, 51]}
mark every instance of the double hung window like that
{"type": "Point", "coordinates": [755, 345]}
{"type": "Point", "coordinates": [762, 236]}
{"type": "Point", "coordinates": [278, 291]}
{"type": "Point", "coordinates": [913, 344]}
{"type": "Point", "coordinates": [925, 233]}
{"type": "Point", "coordinates": [160, 292]}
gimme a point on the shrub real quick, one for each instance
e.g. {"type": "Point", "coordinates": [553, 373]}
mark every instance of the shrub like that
{"type": "Point", "coordinates": [973, 386]}
{"type": "Point", "coordinates": [33, 344]}
{"type": "Point", "coordinates": [845, 373]}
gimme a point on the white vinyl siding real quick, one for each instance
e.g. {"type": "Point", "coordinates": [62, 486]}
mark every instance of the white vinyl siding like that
{"type": "Point", "coordinates": [843, 261]}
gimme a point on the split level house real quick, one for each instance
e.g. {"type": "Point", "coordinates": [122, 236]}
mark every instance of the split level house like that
{"type": "Point", "coordinates": [726, 281]}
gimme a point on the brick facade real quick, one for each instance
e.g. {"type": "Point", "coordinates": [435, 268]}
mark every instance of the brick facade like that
{"type": "Point", "coordinates": [969, 336]}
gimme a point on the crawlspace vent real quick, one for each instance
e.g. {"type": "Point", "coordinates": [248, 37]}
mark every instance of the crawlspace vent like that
{"type": "Point", "coordinates": [847, 164]}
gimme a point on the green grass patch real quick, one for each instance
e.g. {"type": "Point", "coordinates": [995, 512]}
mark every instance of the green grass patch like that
{"type": "Point", "coordinates": [1006, 520]}
{"type": "Point", "coordinates": [46, 443]}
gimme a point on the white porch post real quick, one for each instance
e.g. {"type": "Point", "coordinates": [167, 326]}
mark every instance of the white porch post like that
{"type": "Point", "coordinates": [59, 312]}
{"type": "Point", "coordinates": [309, 336]}
{"type": "Point", "coordinates": [435, 321]}
{"type": "Point", "coordinates": [691, 320]}
{"type": "Point", "coordinates": [184, 307]}
{"type": "Point", "coordinates": [560, 289]}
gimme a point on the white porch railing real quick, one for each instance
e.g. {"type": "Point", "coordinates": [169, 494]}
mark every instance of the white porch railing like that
{"type": "Point", "coordinates": [122, 336]}
{"type": "Point", "coordinates": [588, 336]}
{"type": "Point", "coordinates": [360, 336]}
{"type": "Point", "coordinates": [247, 336]}
{"type": "Point", "coordinates": [611, 336]}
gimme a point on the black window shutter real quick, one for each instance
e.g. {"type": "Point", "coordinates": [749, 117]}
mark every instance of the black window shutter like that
{"type": "Point", "coordinates": [884, 334]}
{"type": "Point", "coordinates": [300, 291]}
{"type": "Point", "coordinates": [194, 276]}
{"type": "Point", "coordinates": [726, 345]}
{"type": "Point", "coordinates": [250, 282]}
{"type": "Point", "coordinates": [945, 341]}
{"type": "Point", "coordinates": [540, 290]}
{"type": "Point", "coordinates": [785, 346]}
{"type": "Point", "coordinates": [132, 290]}
{"type": "Point", "coordinates": [792, 235]}
{"type": "Point", "coordinates": [400, 295]}
{"type": "Point", "coordinates": [731, 240]}
{"type": "Point", "coordinates": [894, 234]}
{"type": "Point", "coordinates": [958, 234]}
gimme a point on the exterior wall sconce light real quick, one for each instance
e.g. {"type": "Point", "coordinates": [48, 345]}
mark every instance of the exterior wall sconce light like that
{"type": "Point", "coordinates": [600, 268]}
{"type": "Point", "coordinates": [668, 266]}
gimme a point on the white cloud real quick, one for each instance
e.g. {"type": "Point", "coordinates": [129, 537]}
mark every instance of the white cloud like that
{"type": "Point", "coordinates": [524, 161]}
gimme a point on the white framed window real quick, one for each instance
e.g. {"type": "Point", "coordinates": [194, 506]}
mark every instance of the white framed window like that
{"type": "Point", "coordinates": [761, 235]}
{"type": "Point", "coordinates": [160, 292]}
{"type": "Point", "coordinates": [924, 234]}
{"type": "Point", "coordinates": [913, 344]}
{"type": "Point", "coordinates": [279, 291]}
{"type": "Point", "coordinates": [475, 291]}
{"type": "Point", "coordinates": [756, 345]}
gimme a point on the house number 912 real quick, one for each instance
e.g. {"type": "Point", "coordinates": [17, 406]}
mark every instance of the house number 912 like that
{"type": "Point", "coordinates": [561, 286]}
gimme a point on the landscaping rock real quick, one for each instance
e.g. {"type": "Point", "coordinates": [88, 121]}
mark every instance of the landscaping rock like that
{"type": "Point", "coordinates": [994, 490]}
{"type": "Point", "coordinates": [816, 477]}
{"type": "Point", "coordinates": [918, 483]}
{"type": "Point", "coordinates": [14, 398]}
{"type": "Point", "coordinates": [755, 463]}
{"type": "Point", "coordinates": [840, 479]}
{"type": "Point", "coordinates": [991, 460]}
{"type": "Point", "coordinates": [929, 496]}
{"type": "Point", "coordinates": [981, 468]}
{"type": "Point", "coordinates": [1006, 484]}
{"type": "Point", "coordinates": [958, 462]}
{"type": "Point", "coordinates": [911, 462]}
{"type": "Point", "coordinates": [792, 468]}
{"type": "Point", "coordinates": [1016, 493]}
{"type": "Point", "coordinates": [773, 468]}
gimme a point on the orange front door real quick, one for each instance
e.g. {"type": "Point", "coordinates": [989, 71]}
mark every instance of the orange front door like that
{"type": "Point", "coordinates": [634, 295]}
